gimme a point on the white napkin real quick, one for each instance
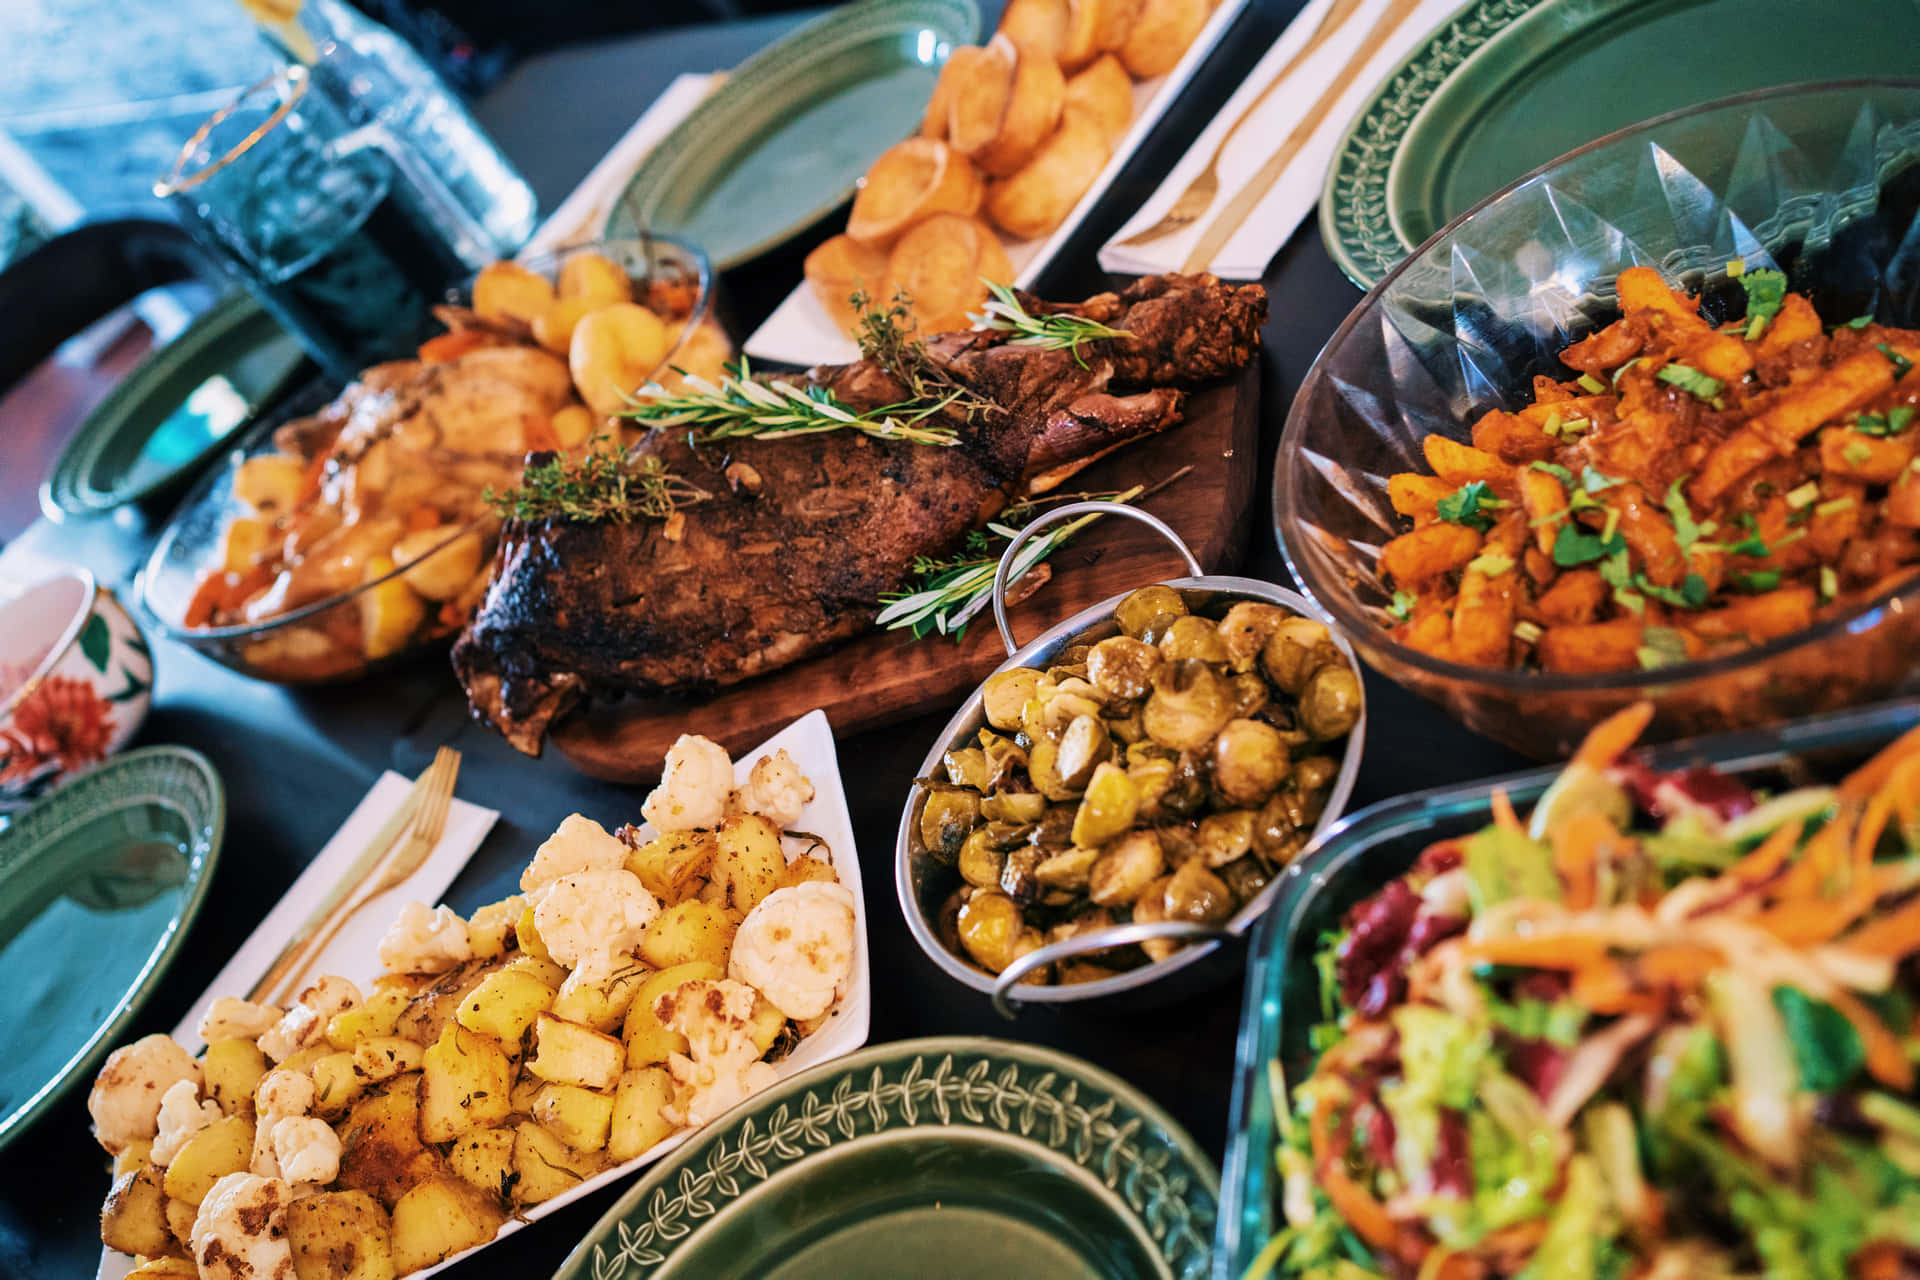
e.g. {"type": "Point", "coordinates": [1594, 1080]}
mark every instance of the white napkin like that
{"type": "Point", "coordinates": [353, 952]}
{"type": "Point", "coordinates": [1297, 188]}
{"type": "Point", "coordinates": [581, 214]}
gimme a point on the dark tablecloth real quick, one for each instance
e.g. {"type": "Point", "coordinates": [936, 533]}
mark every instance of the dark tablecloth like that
{"type": "Point", "coordinates": [296, 762]}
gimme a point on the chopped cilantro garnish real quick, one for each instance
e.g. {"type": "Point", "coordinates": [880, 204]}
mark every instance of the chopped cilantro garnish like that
{"type": "Point", "coordinates": [1555, 470]}
{"type": "Point", "coordinates": [1900, 363]}
{"type": "Point", "coordinates": [1593, 482]}
{"type": "Point", "coordinates": [1870, 424]}
{"type": "Point", "coordinates": [1661, 647]}
{"type": "Point", "coordinates": [1766, 290]}
{"type": "Point", "coordinates": [1691, 594]}
{"type": "Point", "coordinates": [1402, 606]}
{"type": "Point", "coordinates": [1899, 418]}
{"type": "Point", "coordinates": [1575, 546]}
{"type": "Point", "coordinates": [1858, 322]}
{"type": "Point", "coordinates": [1691, 381]}
{"type": "Point", "coordinates": [1684, 526]}
{"type": "Point", "coordinates": [1757, 581]}
{"type": "Point", "coordinates": [1751, 545]}
{"type": "Point", "coordinates": [1592, 385]}
{"type": "Point", "coordinates": [1470, 505]}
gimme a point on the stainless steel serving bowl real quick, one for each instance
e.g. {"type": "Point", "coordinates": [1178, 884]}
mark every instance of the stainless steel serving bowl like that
{"type": "Point", "coordinates": [1215, 951]}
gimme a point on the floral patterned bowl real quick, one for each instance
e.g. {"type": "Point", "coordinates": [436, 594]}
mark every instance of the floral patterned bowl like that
{"type": "Point", "coordinates": [76, 677]}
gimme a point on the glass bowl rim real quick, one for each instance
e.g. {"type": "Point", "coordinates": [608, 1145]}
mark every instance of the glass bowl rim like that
{"type": "Point", "coordinates": [1369, 636]}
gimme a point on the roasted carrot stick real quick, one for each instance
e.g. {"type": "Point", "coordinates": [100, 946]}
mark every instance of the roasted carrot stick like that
{"type": "Point", "coordinates": [1610, 739]}
{"type": "Point", "coordinates": [1553, 951]}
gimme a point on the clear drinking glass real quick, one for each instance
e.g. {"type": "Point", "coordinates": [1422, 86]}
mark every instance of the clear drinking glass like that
{"type": "Point", "coordinates": [345, 237]}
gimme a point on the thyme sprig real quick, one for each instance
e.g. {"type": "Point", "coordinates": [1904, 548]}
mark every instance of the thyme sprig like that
{"type": "Point", "coordinates": [601, 485]}
{"type": "Point", "coordinates": [1059, 332]}
{"type": "Point", "coordinates": [951, 591]}
{"type": "Point", "coordinates": [742, 408]}
{"type": "Point", "coordinates": [886, 338]}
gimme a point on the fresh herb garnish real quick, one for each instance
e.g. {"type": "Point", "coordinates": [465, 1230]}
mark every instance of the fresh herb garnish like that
{"type": "Point", "coordinates": [1766, 291]}
{"type": "Point", "coordinates": [1691, 594]}
{"type": "Point", "coordinates": [1900, 363]}
{"type": "Point", "coordinates": [599, 486]}
{"type": "Point", "coordinates": [1555, 470]}
{"type": "Point", "coordinates": [1751, 545]}
{"type": "Point", "coordinates": [1573, 545]}
{"type": "Point", "coordinates": [1857, 323]}
{"type": "Point", "coordinates": [1691, 381]}
{"type": "Point", "coordinates": [1403, 603]}
{"type": "Point", "coordinates": [1058, 332]}
{"type": "Point", "coordinates": [1685, 528]}
{"type": "Point", "coordinates": [742, 409]}
{"type": "Point", "coordinates": [1593, 482]}
{"type": "Point", "coordinates": [1617, 572]}
{"type": "Point", "coordinates": [1661, 647]}
{"type": "Point", "coordinates": [1890, 423]}
{"type": "Point", "coordinates": [1623, 368]}
{"type": "Point", "coordinates": [1470, 505]}
{"type": "Point", "coordinates": [1757, 581]}
{"type": "Point", "coordinates": [886, 338]}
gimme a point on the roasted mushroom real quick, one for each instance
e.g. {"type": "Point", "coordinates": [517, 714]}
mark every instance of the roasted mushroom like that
{"type": "Point", "coordinates": [1188, 705]}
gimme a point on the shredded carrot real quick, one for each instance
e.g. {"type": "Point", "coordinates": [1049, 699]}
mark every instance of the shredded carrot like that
{"type": "Point", "coordinates": [1679, 964]}
{"type": "Point", "coordinates": [422, 518]}
{"type": "Point", "coordinates": [1823, 857]}
{"type": "Point", "coordinates": [1610, 739]}
{"type": "Point", "coordinates": [451, 346]}
{"type": "Point", "coordinates": [1809, 922]}
{"type": "Point", "coordinates": [1867, 838]}
{"type": "Point", "coordinates": [310, 483]}
{"type": "Point", "coordinates": [1873, 775]}
{"type": "Point", "coordinates": [1904, 787]}
{"type": "Point", "coordinates": [1363, 1213]}
{"type": "Point", "coordinates": [1503, 815]}
{"type": "Point", "coordinates": [1552, 951]}
{"type": "Point", "coordinates": [1606, 987]}
{"type": "Point", "coordinates": [1891, 936]}
{"type": "Point", "coordinates": [1578, 845]}
{"type": "Point", "coordinates": [1760, 865]}
{"type": "Point", "coordinates": [1886, 1058]}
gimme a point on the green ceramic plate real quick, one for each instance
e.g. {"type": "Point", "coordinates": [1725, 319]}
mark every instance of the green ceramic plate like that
{"type": "Point", "coordinates": [1504, 86]}
{"type": "Point", "coordinates": [176, 408]}
{"type": "Point", "coordinates": [944, 1159]}
{"type": "Point", "coordinates": [98, 884]}
{"type": "Point", "coordinates": [781, 144]}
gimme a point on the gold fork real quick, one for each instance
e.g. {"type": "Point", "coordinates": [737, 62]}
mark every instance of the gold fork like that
{"type": "Point", "coordinates": [1201, 192]}
{"type": "Point", "coordinates": [429, 821]}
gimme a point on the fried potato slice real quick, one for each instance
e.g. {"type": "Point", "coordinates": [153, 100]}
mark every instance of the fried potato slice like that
{"type": "Point", "coordinates": [1032, 111]}
{"type": "Point", "coordinates": [982, 82]}
{"type": "Point", "coordinates": [1160, 35]}
{"type": "Point", "coordinates": [1104, 92]}
{"type": "Point", "coordinates": [940, 265]}
{"type": "Point", "coordinates": [913, 180]}
{"type": "Point", "coordinates": [1039, 197]}
{"type": "Point", "coordinates": [841, 267]}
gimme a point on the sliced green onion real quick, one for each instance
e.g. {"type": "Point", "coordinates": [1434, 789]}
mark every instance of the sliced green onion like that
{"type": "Point", "coordinates": [1592, 385]}
{"type": "Point", "coordinates": [1490, 563]}
{"type": "Point", "coordinates": [1805, 496]}
{"type": "Point", "coordinates": [1829, 582]}
{"type": "Point", "coordinates": [1836, 505]}
{"type": "Point", "coordinates": [1527, 632]}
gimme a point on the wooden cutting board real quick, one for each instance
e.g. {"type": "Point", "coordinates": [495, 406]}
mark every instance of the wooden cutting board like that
{"type": "Point", "coordinates": [887, 676]}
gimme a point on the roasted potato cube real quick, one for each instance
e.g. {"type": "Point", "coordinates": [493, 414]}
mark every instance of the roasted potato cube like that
{"type": "Point", "coordinates": [613, 352]}
{"type": "Point", "coordinates": [377, 1015]}
{"type": "Point", "coordinates": [389, 613]}
{"type": "Point", "coordinates": [245, 540]}
{"type": "Point", "coordinates": [568, 1053]}
{"type": "Point", "coordinates": [464, 1080]}
{"type": "Point", "coordinates": [747, 863]}
{"type": "Point", "coordinates": [545, 971]}
{"type": "Point", "coordinates": [689, 931]}
{"type": "Point", "coordinates": [340, 1235]}
{"type": "Point", "coordinates": [668, 863]}
{"type": "Point", "coordinates": [438, 1219]}
{"type": "Point", "coordinates": [504, 1005]}
{"type": "Point", "coordinates": [596, 278]}
{"type": "Point", "coordinates": [436, 571]}
{"type": "Point", "coordinates": [335, 1083]}
{"type": "Point", "coordinates": [381, 1151]}
{"type": "Point", "coordinates": [489, 926]}
{"type": "Point", "coordinates": [134, 1218]}
{"type": "Point", "coordinates": [223, 1147]}
{"type": "Point", "coordinates": [638, 1123]}
{"type": "Point", "coordinates": [180, 1216]}
{"type": "Point", "coordinates": [230, 1072]}
{"type": "Point", "coordinates": [529, 935]}
{"type": "Point", "coordinates": [380, 1058]}
{"type": "Point", "coordinates": [270, 483]}
{"type": "Point", "coordinates": [484, 1158]}
{"type": "Point", "coordinates": [434, 1005]}
{"type": "Point", "coordinates": [137, 1152]}
{"type": "Point", "coordinates": [164, 1269]}
{"type": "Point", "coordinates": [506, 292]}
{"type": "Point", "coordinates": [647, 1040]}
{"type": "Point", "coordinates": [806, 867]}
{"type": "Point", "coordinates": [602, 1007]}
{"type": "Point", "coordinates": [578, 1117]}
{"type": "Point", "coordinates": [547, 1166]}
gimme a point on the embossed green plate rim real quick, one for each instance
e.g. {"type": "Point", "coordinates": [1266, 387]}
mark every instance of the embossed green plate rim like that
{"type": "Point", "coordinates": [176, 778]}
{"type": "Point", "coordinates": [1017, 1091]}
{"type": "Point", "coordinates": [789, 73]}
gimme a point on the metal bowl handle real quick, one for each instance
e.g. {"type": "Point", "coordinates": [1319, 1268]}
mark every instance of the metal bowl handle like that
{"type": "Point", "coordinates": [1041, 521]}
{"type": "Point", "coordinates": [1119, 935]}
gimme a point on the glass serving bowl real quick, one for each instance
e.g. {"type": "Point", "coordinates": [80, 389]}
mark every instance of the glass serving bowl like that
{"type": "Point", "coordinates": [1359, 855]}
{"type": "Point", "coordinates": [324, 641]}
{"type": "Point", "coordinates": [1821, 181]}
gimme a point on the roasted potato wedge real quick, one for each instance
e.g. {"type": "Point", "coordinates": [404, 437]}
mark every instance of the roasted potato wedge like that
{"type": "Point", "coordinates": [1034, 102]}
{"type": "Point", "coordinates": [340, 1235]}
{"type": "Point", "coordinates": [981, 86]}
{"type": "Point", "coordinates": [438, 1219]}
{"type": "Point", "coordinates": [911, 181]}
{"type": "Point", "coordinates": [841, 267]}
{"type": "Point", "coordinates": [613, 352]}
{"type": "Point", "coordinates": [1039, 197]}
{"type": "Point", "coordinates": [1038, 25]}
{"type": "Point", "coordinates": [509, 295]}
{"type": "Point", "coordinates": [1103, 92]}
{"type": "Point", "coordinates": [1161, 35]}
{"type": "Point", "coordinates": [940, 265]}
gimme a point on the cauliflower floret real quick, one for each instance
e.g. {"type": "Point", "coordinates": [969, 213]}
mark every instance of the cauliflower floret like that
{"type": "Point", "coordinates": [425, 940]}
{"type": "Point", "coordinates": [240, 1232]}
{"type": "Point", "coordinates": [721, 1065]}
{"type": "Point", "coordinates": [307, 1150]}
{"type": "Point", "coordinates": [796, 946]}
{"type": "Point", "coordinates": [776, 789]}
{"type": "Point", "coordinates": [231, 1018]}
{"type": "Point", "coordinates": [280, 1095]}
{"type": "Point", "coordinates": [307, 1020]}
{"type": "Point", "coordinates": [695, 787]}
{"type": "Point", "coordinates": [592, 920]}
{"type": "Point", "coordinates": [182, 1115]}
{"type": "Point", "coordinates": [580, 844]}
{"type": "Point", "coordinates": [125, 1102]}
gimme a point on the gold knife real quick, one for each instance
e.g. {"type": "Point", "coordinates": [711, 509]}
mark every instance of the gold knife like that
{"type": "Point", "coordinates": [1221, 229]}
{"type": "Point", "coordinates": [355, 876]}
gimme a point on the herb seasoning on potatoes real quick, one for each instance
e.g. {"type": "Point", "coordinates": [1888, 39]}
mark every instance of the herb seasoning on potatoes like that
{"type": "Point", "coordinates": [1165, 772]}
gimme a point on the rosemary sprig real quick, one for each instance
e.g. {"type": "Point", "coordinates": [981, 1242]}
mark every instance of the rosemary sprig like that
{"type": "Point", "coordinates": [600, 485]}
{"type": "Point", "coordinates": [952, 591]}
{"type": "Point", "coordinates": [1053, 333]}
{"type": "Point", "coordinates": [740, 408]}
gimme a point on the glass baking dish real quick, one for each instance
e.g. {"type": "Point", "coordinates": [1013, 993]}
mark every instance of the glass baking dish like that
{"type": "Point", "coordinates": [1371, 847]}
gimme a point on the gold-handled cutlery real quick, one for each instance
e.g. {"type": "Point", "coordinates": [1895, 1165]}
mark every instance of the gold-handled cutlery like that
{"type": "Point", "coordinates": [420, 819]}
{"type": "Point", "coordinates": [1205, 187]}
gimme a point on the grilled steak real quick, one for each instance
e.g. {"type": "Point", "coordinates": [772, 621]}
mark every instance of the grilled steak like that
{"type": "Point", "coordinates": [802, 536]}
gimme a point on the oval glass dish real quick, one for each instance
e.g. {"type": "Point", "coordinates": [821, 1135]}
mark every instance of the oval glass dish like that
{"type": "Point", "coordinates": [1819, 181]}
{"type": "Point", "coordinates": [1361, 854]}
{"type": "Point", "coordinates": [396, 583]}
